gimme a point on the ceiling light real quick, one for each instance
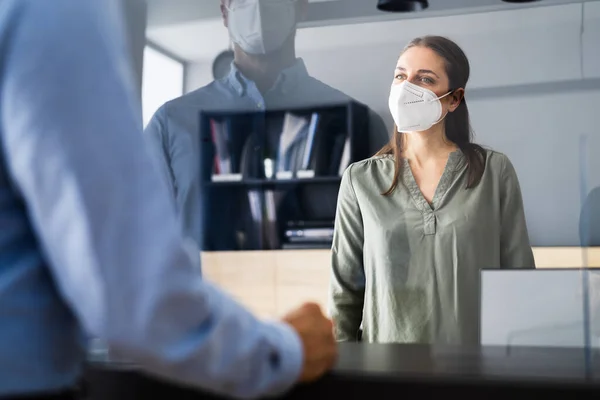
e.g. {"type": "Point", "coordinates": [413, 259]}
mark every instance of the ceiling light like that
{"type": "Point", "coordinates": [402, 5]}
{"type": "Point", "coordinates": [519, 1]}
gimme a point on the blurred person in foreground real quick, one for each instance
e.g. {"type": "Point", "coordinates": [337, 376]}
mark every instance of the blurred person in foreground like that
{"type": "Point", "coordinates": [266, 74]}
{"type": "Point", "coordinates": [89, 239]}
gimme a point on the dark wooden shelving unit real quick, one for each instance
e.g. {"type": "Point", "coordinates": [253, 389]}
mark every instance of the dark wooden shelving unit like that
{"type": "Point", "coordinates": [257, 192]}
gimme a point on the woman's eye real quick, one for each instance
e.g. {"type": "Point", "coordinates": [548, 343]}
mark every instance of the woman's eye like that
{"type": "Point", "coordinates": [399, 76]}
{"type": "Point", "coordinates": [429, 81]}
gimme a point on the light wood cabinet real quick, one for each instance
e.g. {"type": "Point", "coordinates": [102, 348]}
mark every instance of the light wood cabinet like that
{"type": "Point", "coordinates": [270, 283]}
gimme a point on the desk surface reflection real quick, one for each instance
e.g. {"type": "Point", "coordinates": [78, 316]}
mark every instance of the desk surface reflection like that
{"type": "Point", "coordinates": [385, 370]}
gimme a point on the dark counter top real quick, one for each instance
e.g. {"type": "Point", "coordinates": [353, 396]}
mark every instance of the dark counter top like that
{"type": "Point", "coordinates": [394, 361]}
{"type": "Point", "coordinates": [384, 370]}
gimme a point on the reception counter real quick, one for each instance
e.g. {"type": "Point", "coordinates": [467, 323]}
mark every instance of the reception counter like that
{"type": "Point", "coordinates": [272, 282]}
{"type": "Point", "coordinates": [380, 371]}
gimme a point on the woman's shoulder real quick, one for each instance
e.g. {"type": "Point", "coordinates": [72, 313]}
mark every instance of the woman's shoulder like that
{"type": "Point", "coordinates": [499, 165]}
{"type": "Point", "coordinates": [369, 174]}
{"type": "Point", "coordinates": [378, 165]}
{"type": "Point", "coordinates": [496, 160]}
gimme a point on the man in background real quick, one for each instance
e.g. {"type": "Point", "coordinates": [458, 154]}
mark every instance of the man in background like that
{"type": "Point", "coordinates": [265, 75]}
{"type": "Point", "coordinates": [89, 238]}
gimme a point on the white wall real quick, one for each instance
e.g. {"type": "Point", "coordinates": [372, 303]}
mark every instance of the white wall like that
{"type": "Point", "coordinates": [534, 90]}
{"type": "Point", "coordinates": [135, 18]}
{"type": "Point", "coordinates": [536, 45]}
{"type": "Point", "coordinates": [162, 81]}
{"type": "Point", "coordinates": [197, 74]}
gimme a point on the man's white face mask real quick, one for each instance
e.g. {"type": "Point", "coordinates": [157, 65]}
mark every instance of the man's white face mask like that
{"type": "Point", "coordinates": [261, 26]}
{"type": "Point", "coordinates": [414, 108]}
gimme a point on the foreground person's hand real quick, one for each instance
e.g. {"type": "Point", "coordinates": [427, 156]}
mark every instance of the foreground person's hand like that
{"type": "Point", "coordinates": [316, 333]}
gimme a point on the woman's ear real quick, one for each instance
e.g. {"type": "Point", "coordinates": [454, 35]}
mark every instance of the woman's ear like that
{"type": "Point", "coordinates": [456, 97]}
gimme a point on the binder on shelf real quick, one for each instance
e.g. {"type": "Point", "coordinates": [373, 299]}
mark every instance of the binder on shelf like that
{"type": "Point", "coordinates": [345, 159]}
{"type": "Point", "coordinates": [257, 216]}
{"type": "Point", "coordinates": [270, 222]}
{"type": "Point", "coordinates": [220, 137]}
{"type": "Point", "coordinates": [292, 142]}
{"type": "Point", "coordinates": [308, 149]}
{"type": "Point", "coordinates": [228, 142]}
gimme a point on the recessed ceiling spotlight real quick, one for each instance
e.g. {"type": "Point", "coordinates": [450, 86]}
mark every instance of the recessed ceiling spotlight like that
{"type": "Point", "coordinates": [519, 1]}
{"type": "Point", "coordinates": [402, 5]}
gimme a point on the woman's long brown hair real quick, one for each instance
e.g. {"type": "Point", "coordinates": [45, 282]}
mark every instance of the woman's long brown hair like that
{"type": "Point", "coordinates": [457, 124]}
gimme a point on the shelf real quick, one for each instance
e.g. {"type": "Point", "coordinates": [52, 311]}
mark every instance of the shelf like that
{"type": "Point", "coordinates": [276, 182]}
{"type": "Point", "coordinates": [252, 186]}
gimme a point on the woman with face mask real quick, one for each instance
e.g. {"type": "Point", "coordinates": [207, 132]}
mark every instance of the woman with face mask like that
{"type": "Point", "coordinates": [417, 222]}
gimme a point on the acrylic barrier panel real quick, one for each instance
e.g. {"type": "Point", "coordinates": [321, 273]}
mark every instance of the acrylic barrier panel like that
{"type": "Point", "coordinates": [589, 184]}
{"type": "Point", "coordinates": [589, 220]}
{"type": "Point", "coordinates": [540, 307]}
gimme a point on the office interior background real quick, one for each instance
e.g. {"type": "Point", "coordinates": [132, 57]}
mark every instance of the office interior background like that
{"type": "Point", "coordinates": [534, 94]}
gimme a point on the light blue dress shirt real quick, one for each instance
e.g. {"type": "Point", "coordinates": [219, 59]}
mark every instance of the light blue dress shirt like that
{"type": "Point", "coordinates": [174, 130]}
{"type": "Point", "coordinates": [89, 239]}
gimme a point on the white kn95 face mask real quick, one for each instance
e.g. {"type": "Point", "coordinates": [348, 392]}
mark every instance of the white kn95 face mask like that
{"type": "Point", "coordinates": [261, 26]}
{"type": "Point", "coordinates": [414, 108]}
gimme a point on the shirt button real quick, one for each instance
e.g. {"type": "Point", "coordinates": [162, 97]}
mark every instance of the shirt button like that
{"type": "Point", "coordinates": [259, 105]}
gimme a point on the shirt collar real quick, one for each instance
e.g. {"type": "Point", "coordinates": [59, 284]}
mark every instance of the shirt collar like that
{"type": "Point", "coordinates": [287, 79]}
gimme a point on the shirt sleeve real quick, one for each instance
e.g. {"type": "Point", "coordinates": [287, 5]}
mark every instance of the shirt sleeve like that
{"type": "Point", "coordinates": [347, 285]}
{"type": "Point", "coordinates": [515, 248]}
{"type": "Point", "coordinates": [105, 224]}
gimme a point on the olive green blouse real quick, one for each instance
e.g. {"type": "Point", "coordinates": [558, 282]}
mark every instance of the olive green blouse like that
{"type": "Point", "coordinates": [407, 270]}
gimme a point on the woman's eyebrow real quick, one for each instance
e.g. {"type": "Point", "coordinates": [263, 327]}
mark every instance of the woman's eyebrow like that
{"type": "Point", "coordinates": [421, 71]}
